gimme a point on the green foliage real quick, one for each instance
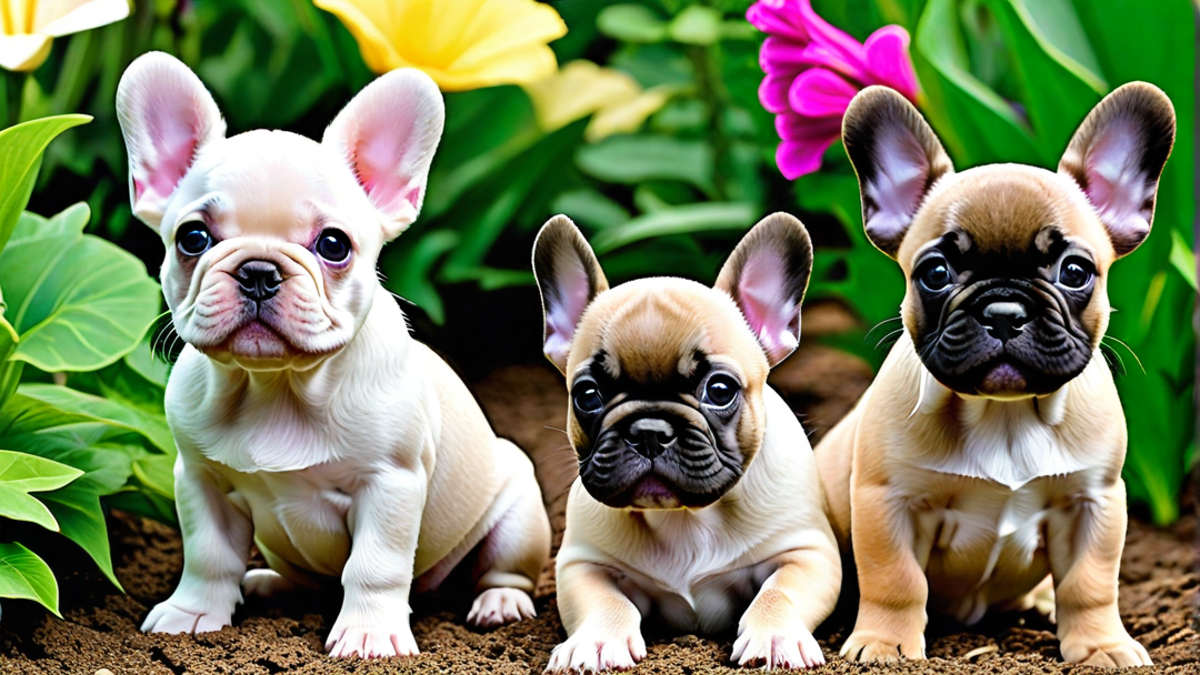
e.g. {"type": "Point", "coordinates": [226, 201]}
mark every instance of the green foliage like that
{"type": "Point", "coordinates": [73, 303]}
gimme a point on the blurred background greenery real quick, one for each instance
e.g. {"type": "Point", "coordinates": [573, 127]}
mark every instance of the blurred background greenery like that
{"type": "Point", "coordinates": [651, 136]}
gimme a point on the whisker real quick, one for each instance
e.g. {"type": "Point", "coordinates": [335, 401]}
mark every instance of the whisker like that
{"type": "Point", "coordinates": [1127, 348]}
{"type": "Point", "coordinates": [893, 335]}
{"type": "Point", "coordinates": [879, 325]}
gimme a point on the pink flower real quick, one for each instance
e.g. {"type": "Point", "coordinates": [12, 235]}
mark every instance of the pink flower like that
{"type": "Point", "coordinates": [813, 70]}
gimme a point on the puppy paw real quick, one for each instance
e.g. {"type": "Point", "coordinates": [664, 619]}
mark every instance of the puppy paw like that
{"type": "Point", "coordinates": [266, 583]}
{"type": "Point", "coordinates": [169, 617]}
{"type": "Point", "coordinates": [873, 647]}
{"type": "Point", "coordinates": [1115, 652]}
{"type": "Point", "coordinates": [593, 652]}
{"type": "Point", "coordinates": [498, 606]}
{"type": "Point", "coordinates": [792, 649]}
{"type": "Point", "coordinates": [370, 643]}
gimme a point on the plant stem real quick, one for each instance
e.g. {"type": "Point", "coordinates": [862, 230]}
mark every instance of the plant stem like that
{"type": "Point", "coordinates": [712, 91]}
{"type": "Point", "coordinates": [14, 88]}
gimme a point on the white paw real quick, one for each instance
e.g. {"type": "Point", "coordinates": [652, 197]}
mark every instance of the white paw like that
{"type": "Point", "coordinates": [266, 583]}
{"type": "Point", "coordinates": [167, 617]}
{"type": "Point", "coordinates": [592, 652]}
{"type": "Point", "coordinates": [1112, 651]}
{"type": "Point", "coordinates": [370, 643]}
{"type": "Point", "coordinates": [498, 606]}
{"type": "Point", "coordinates": [777, 649]}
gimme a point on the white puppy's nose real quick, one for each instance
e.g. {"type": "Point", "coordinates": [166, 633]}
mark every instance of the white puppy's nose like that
{"type": "Point", "coordinates": [259, 280]}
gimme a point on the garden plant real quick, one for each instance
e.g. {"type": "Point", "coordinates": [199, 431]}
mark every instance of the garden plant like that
{"type": "Point", "coordinates": [665, 129]}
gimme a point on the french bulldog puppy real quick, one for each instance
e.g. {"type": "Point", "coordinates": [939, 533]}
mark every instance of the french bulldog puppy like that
{"type": "Point", "coordinates": [308, 421]}
{"type": "Point", "coordinates": [982, 468]}
{"type": "Point", "coordinates": [697, 492]}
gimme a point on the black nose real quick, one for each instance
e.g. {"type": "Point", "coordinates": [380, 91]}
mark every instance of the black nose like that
{"type": "Point", "coordinates": [649, 436]}
{"type": "Point", "coordinates": [260, 280]}
{"type": "Point", "coordinates": [1005, 320]}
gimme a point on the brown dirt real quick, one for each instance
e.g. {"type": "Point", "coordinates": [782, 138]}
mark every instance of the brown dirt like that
{"type": "Point", "coordinates": [1160, 584]}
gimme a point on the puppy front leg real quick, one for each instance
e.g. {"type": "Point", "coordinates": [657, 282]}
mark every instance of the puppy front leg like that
{"type": "Point", "coordinates": [384, 522]}
{"type": "Point", "coordinates": [776, 630]}
{"type": "Point", "coordinates": [892, 586]}
{"type": "Point", "coordinates": [216, 546]}
{"type": "Point", "coordinates": [603, 625]}
{"type": "Point", "coordinates": [1085, 555]}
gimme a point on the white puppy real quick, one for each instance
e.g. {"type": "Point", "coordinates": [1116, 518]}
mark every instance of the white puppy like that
{"type": "Point", "coordinates": [308, 421]}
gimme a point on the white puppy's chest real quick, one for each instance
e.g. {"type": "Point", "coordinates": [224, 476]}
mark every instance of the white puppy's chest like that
{"type": "Point", "coordinates": [979, 515]}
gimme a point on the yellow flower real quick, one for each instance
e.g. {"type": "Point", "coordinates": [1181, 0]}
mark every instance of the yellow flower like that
{"type": "Point", "coordinates": [461, 44]}
{"type": "Point", "coordinates": [614, 99]}
{"type": "Point", "coordinates": [28, 27]}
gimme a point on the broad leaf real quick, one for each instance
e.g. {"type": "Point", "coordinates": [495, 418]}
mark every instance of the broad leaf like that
{"type": "Point", "coordinates": [85, 407]}
{"type": "Point", "coordinates": [686, 219]}
{"type": "Point", "coordinates": [22, 473]}
{"type": "Point", "coordinates": [634, 159]}
{"type": "Point", "coordinates": [70, 222]}
{"type": "Point", "coordinates": [78, 302]}
{"type": "Point", "coordinates": [80, 519]}
{"type": "Point", "coordinates": [631, 23]}
{"type": "Point", "coordinates": [21, 147]}
{"type": "Point", "coordinates": [25, 576]}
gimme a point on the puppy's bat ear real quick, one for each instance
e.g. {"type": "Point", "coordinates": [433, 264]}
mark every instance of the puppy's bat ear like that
{"type": "Point", "coordinates": [387, 134]}
{"type": "Point", "coordinates": [569, 278]}
{"type": "Point", "coordinates": [167, 117]}
{"type": "Point", "coordinates": [897, 157]}
{"type": "Point", "coordinates": [1117, 156]}
{"type": "Point", "coordinates": [766, 276]}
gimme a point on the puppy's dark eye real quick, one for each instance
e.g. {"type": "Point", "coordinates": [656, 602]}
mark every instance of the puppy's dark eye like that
{"type": "Point", "coordinates": [588, 400]}
{"type": "Point", "coordinates": [720, 391]}
{"type": "Point", "coordinates": [333, 245]}
{"type": "Point", "coordinates": [1075, 273]}
{"type": "Point", "coordinates": [193, 239]}
{"type": "Point", "coordinates": [936, 275]}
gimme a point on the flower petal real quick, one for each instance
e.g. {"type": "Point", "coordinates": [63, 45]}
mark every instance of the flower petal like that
{"type": "Point", "coordinates": [23, 53]}
{"type": "Point", "coordinates": [888, 60]}
{"type": "Point", "coordinates": [793, 127]}
{"type": "Point", "coordinates": [64, 17]}
{"type": "Point", "coordinates": [506, 26]}
{"type": "Point", "coordinates": [773, 92]}
{"type": "Point", "coordinates": [820, 93]}
{"type": "Point", "coordinates": [627, 117]}
{"type": "Point", "coordinates": [578, 89]}
{"type": "Point", "coordinates": [796, 158]}
{"type": "Point", "coordinates": [521, 66]}
{"type": "Point", "coordinates": [777, 17]}
{"type": "Point", "coordinates": [365, 22]}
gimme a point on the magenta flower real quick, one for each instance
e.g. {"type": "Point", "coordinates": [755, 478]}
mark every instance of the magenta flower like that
{"type": "Point", "coordinates": [813, 70]}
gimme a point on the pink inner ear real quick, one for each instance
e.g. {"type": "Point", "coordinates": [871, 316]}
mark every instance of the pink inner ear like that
{"type": "Point", "coordinates": [380, 153]}
{"type": "Point", "coordinates": [768, 305]}
{"type": "Point", "coordinates": [898, 185]}
{"type": "Point", "coordinates": [567, 302]}
{"type": "Point", "coordinates": [173, 132]}
{"type": "Point", "coordinates": [1116, 184]}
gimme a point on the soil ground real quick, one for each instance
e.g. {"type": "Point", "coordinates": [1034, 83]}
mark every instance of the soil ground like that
{"type": "Point", "coordinates": [1160, 583]}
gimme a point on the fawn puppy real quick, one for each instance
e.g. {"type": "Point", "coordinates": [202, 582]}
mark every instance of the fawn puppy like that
{"type": "Point", "coordinates": [983, 466]}
{"type": "Point", "coordinates": [697, 499]}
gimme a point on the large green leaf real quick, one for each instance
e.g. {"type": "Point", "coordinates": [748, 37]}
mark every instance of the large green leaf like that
{"type": "Point", "coordinates": [21, 147]}
{"type": "Point", "coordinates": [77, 301]}
{"type": "Point", "coordinates": [22, 473]}
{"type": "Point", "coordinates": [25, 576]}
{"type": "Point", "coordinates": [635, 159]}
{"type": "Point", "coordinates": [975, 123]}
{"type": "Point", "coordinates": [686, 219]}
{"type": "Point", "coordinates": [80, 519]}
{"type": "Point", "coordinates": [85, 407]}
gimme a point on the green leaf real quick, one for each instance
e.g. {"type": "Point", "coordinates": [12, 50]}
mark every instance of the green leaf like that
{"type": "Point", "coordinates": [21, 147]}
{"type": "Point", "coordinates": [25, 576]}
{"type": "Point", "coordinates": [80, 519]}
{"type": "Point", "coordinates": [635, 159]}
{"type": "Point", "coordinates": [687, 219]}
{"type": "Point", "coordinates": [71, 221]}
{"type": "Point", "coordinates": [18, 505]}
{"type": "Point", "coordinates": [157, 473]}
{"type": "Point", "coordinates": [30, 473]}
{"type": "Point", "coordinates": [696, 25]}
{"type": "Point", "coordinates": [1058, 91]}
{"type": "Point", "coordinates": [77, 301]}
{"type": "Point", "coordinates": [590, 208]}
{"type": "Point", "coordinates": [1183, 258]}
{"type": "Point", "coordinates": [79, 406]}
{"type": "Point", "coordinates": [631, 23]}
{"type": "Point", "coordinates": [975, 123]}
{"type": "Point", "coordinates": [415, 280]}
